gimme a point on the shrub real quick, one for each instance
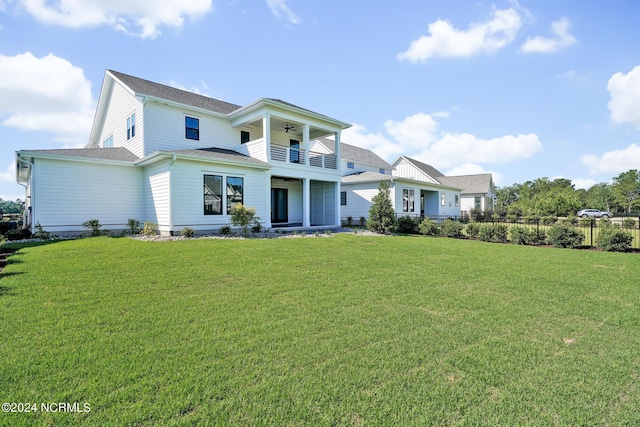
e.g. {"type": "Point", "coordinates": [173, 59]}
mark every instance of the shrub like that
{"type": "Point", "coordinates": [407, 225]}
{"type": "Point", "coordinates": [493, 233]}
{"type": "Point", "coordinates": [563, 235]}
{"type": "Point", "coordinates": [242, 216]}
{"type": "Point", "coordinates": [587, 222]}
{"type": "Point", "coordinates": [134, 225]}
{"type": "Point", "coordinates": [537, 237]}
{"type": "Point", "coordinates": [629, 223]}
{"type": "Point", "coordinates": [571, 220]}
{"type": "Point", "coordinates": [257, 227]}
{"type": "Point", "coordinates": [531, 219]}
{"type": "Point", "coordinates": [41, 233]}
{"type": "Point", "coordinates": [362, 221]}
{"type": "Point", "coordinates": [450, 228]}
{"type": "Point", "coordinates": [612, 238]}
{"type": "Point", "coordinates": [95, 227]}
{"type": "Point", "coordinates": [519, 235]}
{"type": "Point", "coordinates": [21, 234]}
{"type": "Point", "coordinates": [187, 232]}
{"type": "Point", "coordinates": [149, 228]}
{"type": "Point", "coordinates": [472, 229]}
{"type": "Point", "coordinates": [512, 218]}
{"type": "Point", "coordinates": [349, 220]}
{"type": "Point", "coordinates": [225, 230]}
{"type": "Point", "coordinates": [549, 220]}
{"type": "Point", "coordinates": [4, 227]}
{"type": "Point", "coordinates": [428, 227]}
{"type": "Point", "coordinates": [476, 214]}
{"type": "Point", "coordinates": [382, 218]}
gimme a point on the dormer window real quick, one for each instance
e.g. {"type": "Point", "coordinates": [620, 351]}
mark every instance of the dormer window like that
{"type": "Point", "coordinates": [192, 128]}
{"type": "Point", "coordinates": [350, 165]}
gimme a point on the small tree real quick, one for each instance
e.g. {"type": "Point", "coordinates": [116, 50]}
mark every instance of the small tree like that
{"type": "Point", "coordinates": [242, 216]}
{"type": "Point", "coordinates": [382, 218]}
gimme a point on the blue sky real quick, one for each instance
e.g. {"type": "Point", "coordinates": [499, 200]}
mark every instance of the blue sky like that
{"type": "Point", "coordinates": [521, 89]}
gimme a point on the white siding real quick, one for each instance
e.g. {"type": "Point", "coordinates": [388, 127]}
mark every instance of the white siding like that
{"type": "Point", "coordinates": [156, 195]}
{"type": "Point", "coordinates": [405, 169]}
{"type": "Point", "coordinates": [121, 106]}
{"type": "Point", "coordinates": [188, 197]}
{"type": "Point", "coordinates": [359, 198]}
{"type": "Point", "coordinates": [165, 130]}
{"type": "Point", "coordinates": [67, 193]}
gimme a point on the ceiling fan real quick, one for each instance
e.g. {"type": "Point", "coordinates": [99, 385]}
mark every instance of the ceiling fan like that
{"type": "Point", "coordinates": [287, 127]}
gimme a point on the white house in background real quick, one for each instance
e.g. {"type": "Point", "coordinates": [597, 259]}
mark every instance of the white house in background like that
{"type": "Point", "coordinates": [178, 159]}
{"type": "Point", "coordinates": [476, 191]}
{"type": "Point", "coordinates": [411, 194]}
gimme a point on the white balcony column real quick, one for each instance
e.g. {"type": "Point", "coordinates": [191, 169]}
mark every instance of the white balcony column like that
{"type": "Point", "coordinates": [306, 202]}
{"type": "Point", "coordinates": [305, 143]}
{"type": "Point", "coordinates": [338, 152]}
{"type": "Point", "coordinates": [266, 130]}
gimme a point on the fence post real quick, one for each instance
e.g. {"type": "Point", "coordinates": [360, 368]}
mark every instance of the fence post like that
{"type": "Point", "coordinates": [592, 223]}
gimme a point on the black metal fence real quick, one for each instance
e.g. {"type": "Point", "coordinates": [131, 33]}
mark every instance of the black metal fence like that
{"type": "Point", "coordinates": [589, 227]}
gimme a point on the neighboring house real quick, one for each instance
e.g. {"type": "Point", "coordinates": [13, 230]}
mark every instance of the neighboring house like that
{"type": "Point", "coordinates": [477, 191]}
{"type": "Point", "coordinates": [178, 159]}
{"type": "Point", "coordinates": [411, 194]}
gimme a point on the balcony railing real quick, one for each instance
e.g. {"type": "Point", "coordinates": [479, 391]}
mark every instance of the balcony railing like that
{"type": "Point", "coordinates": [296, 155]}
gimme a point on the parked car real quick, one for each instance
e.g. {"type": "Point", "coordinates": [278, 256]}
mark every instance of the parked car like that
{"type": "Point", "coordinates": [584, 213]}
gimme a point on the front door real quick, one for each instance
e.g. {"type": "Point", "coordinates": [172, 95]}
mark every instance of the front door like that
{"type": "Point", "coordinates": [279, 205]}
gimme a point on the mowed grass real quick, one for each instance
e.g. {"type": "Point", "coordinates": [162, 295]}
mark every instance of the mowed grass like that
{"type": "Point", "coordinates": [347, 330]}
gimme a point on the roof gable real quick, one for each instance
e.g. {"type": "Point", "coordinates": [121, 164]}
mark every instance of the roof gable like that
{"type": "Point", "coordinates": [357, 154]}
{"type": "Point", "coordinates": [471, 184]}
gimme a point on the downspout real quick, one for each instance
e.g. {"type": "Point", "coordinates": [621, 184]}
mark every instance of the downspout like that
{"type": "Point", "coordinates": [173, 160]}
{"type": "Point", "coordinates": [33, 180]}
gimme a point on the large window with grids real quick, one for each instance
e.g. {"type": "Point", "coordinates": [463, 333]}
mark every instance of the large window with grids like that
{"type": "Point", "coordinates": [408, 200]}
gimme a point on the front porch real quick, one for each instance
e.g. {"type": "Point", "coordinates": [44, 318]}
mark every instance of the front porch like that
{"type": "Point", "coordinates": [303, 203]}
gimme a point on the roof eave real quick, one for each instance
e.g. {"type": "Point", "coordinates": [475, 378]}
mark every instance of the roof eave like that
{"type": "Point", "coordinates": [158, 155]}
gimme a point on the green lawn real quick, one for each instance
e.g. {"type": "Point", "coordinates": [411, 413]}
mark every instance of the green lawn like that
{"type": "Point", "coordinates": [346, 330]}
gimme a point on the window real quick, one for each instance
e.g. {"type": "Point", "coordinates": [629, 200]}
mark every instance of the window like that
{"type": "Point", "coordinates": [235, 192]}
{"type": "Point", "coordinates": [131, 126]}
{"type": "Point", "coordinates": [108, 143]}
{"type": "Point", "coordinates": [212, 195]}
{"type": "Point", "coordinates": [294, 152]}
{"type": "Point", "coordinates": [442, 199]}
{"type": "Point", "coordinates": [477, 202]}
{"type": "Point", "coordinates": [343, 198]}
{"type": "Point", "coordinates": [350, 165]}
{"type": "Point", "coordinates": [244, 137]}
{"type": "Point", "coordinates": [192, 128]}
{"type": "Point", "coordinates": [457, 199]}
{"type": "Point", "coordinates": [408, 200]}
{"type": "Point", "coordinates": [382, 171]}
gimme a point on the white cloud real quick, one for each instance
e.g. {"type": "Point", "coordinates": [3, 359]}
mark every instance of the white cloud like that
{"type": "Point", "coordinates": [145, 15]}
{"type": "Point", "coordinates": [280, 10]}
{"type": "Point", "coordinates": [616, 161]}
{"type": "Point", "coordinates": [46, 94]}
{"type": "Point", "coordinates": [418, 136]}
{"type": "Point", "coordinates": [446, 41]}
{"type": "Point", "coordinates": [202, 90]}
{"type": "Point", "coordinates": [583, 183]}
{"type": "Point", "coordinates": [625, 97]}
{"type": "Point", "coordinates": [9, 174]}
{"type": "Point", "coordinates": [473, 169]}
{"type": "Point", "coordinates": [562, 39]}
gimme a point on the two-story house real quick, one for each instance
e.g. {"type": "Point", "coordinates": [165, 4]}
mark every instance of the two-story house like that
{"type": "Point", "coordinates": [179, 159]}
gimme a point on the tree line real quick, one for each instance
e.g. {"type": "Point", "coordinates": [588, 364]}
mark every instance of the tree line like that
{"type": "Point", "coordinates": [543, 197]}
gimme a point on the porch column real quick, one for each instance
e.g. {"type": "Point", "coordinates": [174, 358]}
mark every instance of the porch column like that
{"type": "Point", "coordinates": [338, 220]}
{"type": "Point", "coordinates": [338, 152]}
{"type": "Point", "coordinates": [305, 143]}
{"type": "Point", "coordinates": [266, 129]}
{"type": "Point", "coordinates": [306, 203]}
{"type": "Point", "coordinates": [267, 220]}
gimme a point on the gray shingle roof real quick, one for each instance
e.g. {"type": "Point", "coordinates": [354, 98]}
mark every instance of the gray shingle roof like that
{"type": "Point", "coordinates": [428, 169]}
{"type": "Point", "coordinates": [366, 177]}
{"type": "Point", "coordinates": [220, 154]}
{"type": "Point", "coordinates": [146, 87]}
{"type": "Point", "coordinates": [118, 153]}
{"type": "Point", "coordinates": [470, 184]}
{"type": "Point", "coordinates": [361, 155]}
